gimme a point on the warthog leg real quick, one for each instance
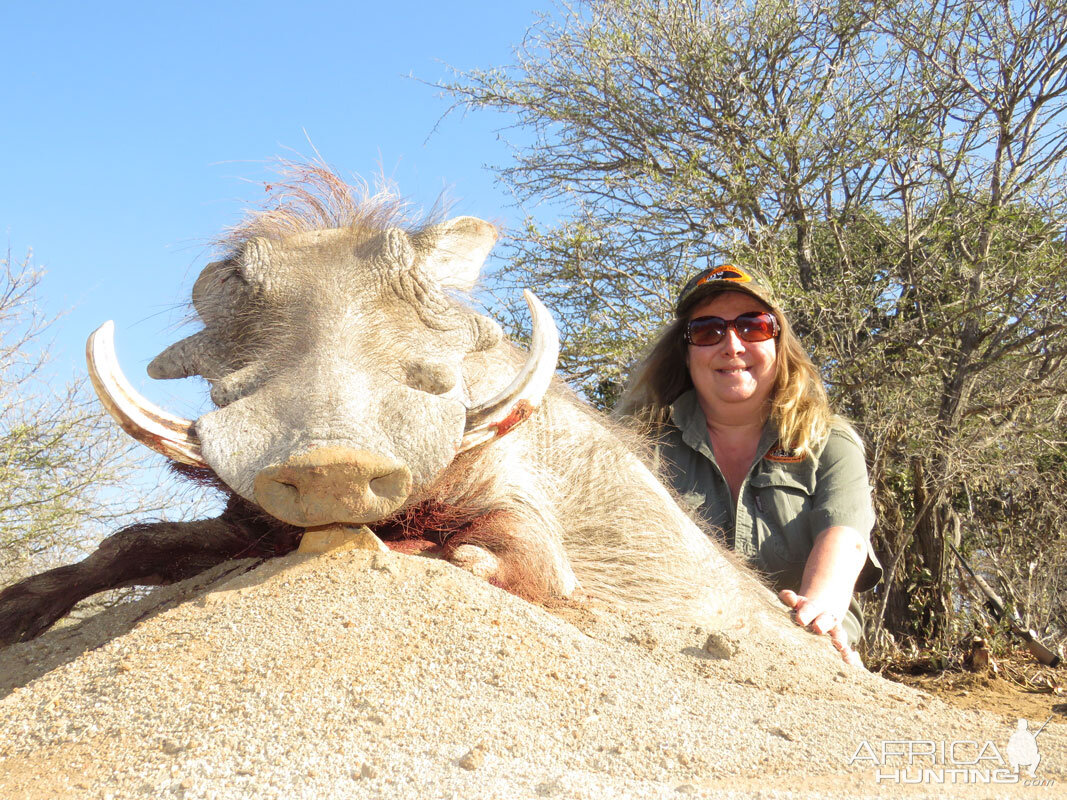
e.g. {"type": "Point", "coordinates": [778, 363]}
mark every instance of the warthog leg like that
{"type": "Point", "coordinates": [489, 544]}
{"type": "Point", "coordinates": [144, 554]}
{"type": "Point", "coordinates": [476, 560]}
{"type": "Point", "coordinates": [494, 548]}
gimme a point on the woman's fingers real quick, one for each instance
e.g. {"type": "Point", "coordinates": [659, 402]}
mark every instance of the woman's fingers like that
{"type": "Point", "coordinates": [808, 615]}
{"type": "Point", "coordinates": [840, 640]}
{"type": "Point", "coordinates": [824, 623]}
{"type": "Point", "coordinates": [804, 610]}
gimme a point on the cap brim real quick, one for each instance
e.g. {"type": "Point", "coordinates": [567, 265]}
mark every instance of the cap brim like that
{"type": "Point", "coordinates": [714, 287]}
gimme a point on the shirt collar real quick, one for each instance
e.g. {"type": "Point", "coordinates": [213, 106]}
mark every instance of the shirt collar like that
{"type": "Point", "coordinates": [689, 418]}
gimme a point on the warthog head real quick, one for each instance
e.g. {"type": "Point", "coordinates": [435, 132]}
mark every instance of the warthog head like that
{"type": "Point", "coordinates": [344, 374]}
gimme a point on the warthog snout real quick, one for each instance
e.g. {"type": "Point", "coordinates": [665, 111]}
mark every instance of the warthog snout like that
{"type": "Point", "coordinates": [333, 484]}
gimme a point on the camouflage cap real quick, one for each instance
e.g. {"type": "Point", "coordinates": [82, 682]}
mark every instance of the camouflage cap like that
{"type": "Point", "coordinates": [725, 278]}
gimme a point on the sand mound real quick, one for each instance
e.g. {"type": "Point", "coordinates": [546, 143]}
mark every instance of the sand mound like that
{"type": "Point", "coordinates": [381, 675]}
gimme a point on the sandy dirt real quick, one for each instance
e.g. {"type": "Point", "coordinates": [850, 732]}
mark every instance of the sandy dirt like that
{"type": "Point", "coordinates": [361, 674]}
{"type": "Point", "coordinates": [1021, 687]}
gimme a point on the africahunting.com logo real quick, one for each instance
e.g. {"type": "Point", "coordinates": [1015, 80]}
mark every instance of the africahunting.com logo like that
{"type": "Point", "coordinates": [956, 761]}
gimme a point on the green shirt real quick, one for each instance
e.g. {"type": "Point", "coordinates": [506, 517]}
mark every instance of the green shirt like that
{"type": "Point", "coordinates": [784, 502]}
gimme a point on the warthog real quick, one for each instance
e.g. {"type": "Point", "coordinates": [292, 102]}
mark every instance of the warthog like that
{"type": "Point", "coordinates": [353, 388]}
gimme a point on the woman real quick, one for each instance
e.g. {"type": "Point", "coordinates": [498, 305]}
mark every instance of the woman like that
{"type": "Point", "coordinates": [747, 438]}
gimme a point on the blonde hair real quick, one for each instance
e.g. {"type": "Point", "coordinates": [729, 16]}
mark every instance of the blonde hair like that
{"type": "Point", "coordinates": [799, 405]}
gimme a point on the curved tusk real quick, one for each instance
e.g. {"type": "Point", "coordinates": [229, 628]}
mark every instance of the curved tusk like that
{"type": "Point", "coordinates": [146, 422]}
{"type": "Point", "coordinates": [517, 402]}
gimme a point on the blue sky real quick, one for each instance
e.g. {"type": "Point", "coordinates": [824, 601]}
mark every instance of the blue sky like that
{"type": "Point", "coordinates": [132, 133]}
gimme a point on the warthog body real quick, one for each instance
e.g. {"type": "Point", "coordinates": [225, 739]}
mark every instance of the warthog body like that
{"type": "Point", "coordinates": [344, 371]}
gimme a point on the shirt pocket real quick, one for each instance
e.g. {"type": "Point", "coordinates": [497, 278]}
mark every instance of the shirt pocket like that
{"type": "Point", "coordinates": [782, 504]}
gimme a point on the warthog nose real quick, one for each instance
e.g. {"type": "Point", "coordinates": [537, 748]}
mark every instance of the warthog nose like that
{"type": "Point", "coordinates": [333, 484]}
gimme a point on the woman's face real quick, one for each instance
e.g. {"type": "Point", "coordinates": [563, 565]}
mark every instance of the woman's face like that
{"type": "Point", "coordinates": [733, 378]}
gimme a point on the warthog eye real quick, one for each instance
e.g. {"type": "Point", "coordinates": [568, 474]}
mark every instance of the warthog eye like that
{"type": "Point", "coordinates": [431, 377]}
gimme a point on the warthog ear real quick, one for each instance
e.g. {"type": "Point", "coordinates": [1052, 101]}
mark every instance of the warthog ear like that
{"type": "Point", "coordinates": [460, 247]}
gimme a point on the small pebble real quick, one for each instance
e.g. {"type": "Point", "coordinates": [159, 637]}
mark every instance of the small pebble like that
{"type": "Point", "coordinates": [383, 563]}
{"type": "Point", "coordinates": [721, 646]}
{"type": "Point", "coordinates": [474, 758]}
{"type": "Point", "coordinates": [368, 771]}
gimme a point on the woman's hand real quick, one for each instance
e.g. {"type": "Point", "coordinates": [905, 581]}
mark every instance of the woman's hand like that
{"type": "Point", "coordinates": [807, 614]}
{"type": "Point", "coordinates": [830, 574]}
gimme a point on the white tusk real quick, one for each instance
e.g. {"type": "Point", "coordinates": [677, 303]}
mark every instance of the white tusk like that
{"type": "Point", "coordinates": [146, 422]}
{"type": "Point", "coordinates": [517, 402]}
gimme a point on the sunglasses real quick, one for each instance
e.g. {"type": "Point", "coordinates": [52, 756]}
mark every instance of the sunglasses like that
{"type": "Point", "coordinates": [755, 326]}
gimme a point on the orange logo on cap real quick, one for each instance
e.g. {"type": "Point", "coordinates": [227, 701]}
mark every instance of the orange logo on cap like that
{"type": "Point", "coordinates": [727, 272]}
